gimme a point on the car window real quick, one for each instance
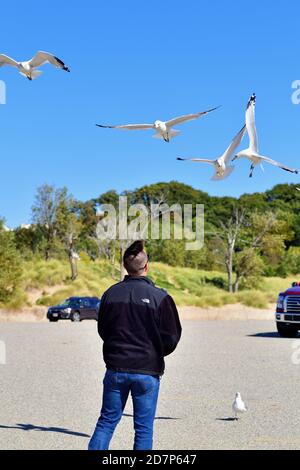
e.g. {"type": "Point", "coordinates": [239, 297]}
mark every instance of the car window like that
{"type": "Point", "coordinates": [76, 302]}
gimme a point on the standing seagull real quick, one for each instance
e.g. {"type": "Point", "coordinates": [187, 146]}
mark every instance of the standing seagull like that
{"type": "Point", "coordinates": [221, 164]}
{"type": "Point", "coordinates": [252, 153]}
{"type": "Point", "coordinates": [28, 68]}
{"type": "Point", "coordinates": [238, 406]}
{"type": "Point", "coordinates": [163, 129]}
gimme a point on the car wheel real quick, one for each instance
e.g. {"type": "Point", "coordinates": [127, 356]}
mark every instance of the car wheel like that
{"type": "Point", "coordinates": [76, 317]}
{"type": "Point", "coordinates": [53, 320]}
{"type": "Point", "coordinates": [287, 331]}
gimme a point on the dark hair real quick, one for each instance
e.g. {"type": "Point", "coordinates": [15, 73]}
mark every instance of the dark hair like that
{"type": "Point", "coordinates": [135, 258]}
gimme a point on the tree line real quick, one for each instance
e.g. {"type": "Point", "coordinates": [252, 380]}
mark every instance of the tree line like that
{"type": "Point", "coordinates": [248, 237]}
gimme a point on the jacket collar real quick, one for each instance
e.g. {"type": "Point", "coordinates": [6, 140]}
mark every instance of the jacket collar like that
{"type": "Point", "coordinates": [139, 279]}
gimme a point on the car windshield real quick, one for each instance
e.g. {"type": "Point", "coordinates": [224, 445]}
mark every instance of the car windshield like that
{"type": "Point", "coordinates": [66, 303]}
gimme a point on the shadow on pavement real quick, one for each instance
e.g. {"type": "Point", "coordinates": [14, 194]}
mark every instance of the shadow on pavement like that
{"type": "Point", "coordinates": [265, 335]}
{"type": "Point", "coordinates": [31, 427]}
{"type": "Point", "coordinates": [229, 420]}
{"type": "Point", "coordinates": [158, 417]}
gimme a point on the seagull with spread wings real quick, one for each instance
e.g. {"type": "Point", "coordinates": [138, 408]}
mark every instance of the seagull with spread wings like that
{"type": "Point", "coordinates": [222, 164]}
{"type": "Point", "coordinates": [252, 153]}
{"type": "Point", "coordinates": [163, 129]}
{"type": "Point", "coordinates": [29, 68]}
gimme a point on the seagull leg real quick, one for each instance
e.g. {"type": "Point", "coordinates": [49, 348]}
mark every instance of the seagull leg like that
{"type": "Point", "coordinates": [251, 170]}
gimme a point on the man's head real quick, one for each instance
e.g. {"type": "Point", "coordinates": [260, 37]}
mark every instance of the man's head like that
{"type": "Point", "coordinates": [136, 260]}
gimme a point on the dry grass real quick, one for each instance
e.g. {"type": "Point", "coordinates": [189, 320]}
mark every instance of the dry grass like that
{"type": "Point", "coordinates": [48, 283]}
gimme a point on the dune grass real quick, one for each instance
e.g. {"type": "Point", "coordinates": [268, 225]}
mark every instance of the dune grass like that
{"type": "Point", "coordinates": [189, 287]}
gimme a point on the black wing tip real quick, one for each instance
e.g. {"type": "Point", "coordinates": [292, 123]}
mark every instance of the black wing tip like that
{"type": "Point", "coordinates": [295, 172]}
{"type": "Point", "coordinates": [62, 64]}
{"type": "Point", "coordinates": [252, 100]}
{"type": "Point", "coordinates": [103, 127]}
{"type": "Point", "coordinates": [215, 109]}
{"type": "Point", "coordinates": [180, 159]}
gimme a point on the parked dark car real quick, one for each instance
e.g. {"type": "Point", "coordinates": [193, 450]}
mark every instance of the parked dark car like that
{"type": "Point", "coordinates": [75, 309]}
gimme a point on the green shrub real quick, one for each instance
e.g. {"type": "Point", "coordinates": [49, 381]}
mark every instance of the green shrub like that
{"type": "Point", "coordinates": [10, 267]}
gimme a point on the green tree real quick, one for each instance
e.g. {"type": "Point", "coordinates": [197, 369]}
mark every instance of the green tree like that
{"type": "Point", "coordinates": [44, 214]}
{"type": "Point", "coordinates": [68, 227]}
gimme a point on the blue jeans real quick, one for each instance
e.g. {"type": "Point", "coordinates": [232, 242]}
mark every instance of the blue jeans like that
{"type": "Point", "coordinates": [116, 388]}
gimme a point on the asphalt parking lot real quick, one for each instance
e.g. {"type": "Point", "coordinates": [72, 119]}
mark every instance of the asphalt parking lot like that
{"type": "Point", "coordinates": [51, 388]}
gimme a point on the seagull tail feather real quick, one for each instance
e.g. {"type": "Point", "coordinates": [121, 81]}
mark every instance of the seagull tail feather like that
{"type": "Point", "coordinates": [35, 74]}
{"type": "Point", "coordinates": [173, 133]}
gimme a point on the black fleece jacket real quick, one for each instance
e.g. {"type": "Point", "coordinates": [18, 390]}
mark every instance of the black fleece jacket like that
{"type": "Point", "coordinates": [139, 325]}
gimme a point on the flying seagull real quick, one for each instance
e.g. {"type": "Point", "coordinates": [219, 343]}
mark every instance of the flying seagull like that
{"type": "Point", "coordinates": [28, 68]}
{"type": "Point", "coordinates": [163, 129]}
{"type": "Point", "coordinates": [222, 167]}
{"type": "Point", "coordinates": [238, 406]}
{"type": "Point", "coordinates": [252, 153]}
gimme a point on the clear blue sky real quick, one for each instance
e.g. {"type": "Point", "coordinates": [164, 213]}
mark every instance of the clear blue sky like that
{"type": "Point", "coordinates": [139, 61]}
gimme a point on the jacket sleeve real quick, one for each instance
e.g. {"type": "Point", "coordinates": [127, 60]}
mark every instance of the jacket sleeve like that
{"type": "Point", "coordinates": [169, 325]}
{"type": "Point", "coordinates": [101, 316]}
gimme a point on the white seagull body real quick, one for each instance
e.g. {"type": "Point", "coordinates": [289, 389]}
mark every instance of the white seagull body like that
{"type": "Point", "coordinates": [29, 68]}
{"type": "Point", "coordinates": [163, 128]}
{"type": "Point", "coordinates": [252, 153]}
{"type": "Point", "coordinates": [238, 406]}
{"type": "Point", "coordinates": [221, 164]}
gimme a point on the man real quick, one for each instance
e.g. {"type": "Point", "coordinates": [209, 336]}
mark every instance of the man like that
{"type": "Point", "coordinates": [139, 325]}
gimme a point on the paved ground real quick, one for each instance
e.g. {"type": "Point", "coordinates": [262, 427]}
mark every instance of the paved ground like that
{"type": "Point", "coordinates": [50, 388]}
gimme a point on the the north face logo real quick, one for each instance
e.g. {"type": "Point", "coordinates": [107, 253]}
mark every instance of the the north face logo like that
{"type": "Point", "coordinates": [146, 301]}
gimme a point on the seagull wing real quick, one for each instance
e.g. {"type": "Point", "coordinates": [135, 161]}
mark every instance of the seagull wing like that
{"type": "Point", "coordinates": [5, 60]}
{"type": "Point", "coordinates": [187, 117]}
{"type": "Point", "coordinates": [42, 58]}
{"type": "Point", "coordinates": [279, 165]}
{"type": "Point", "coordinates": [129, 127]}
{"type": "Point", "coordinates": [250, 123]}
{"type": "Point", "coordinates": [234, 145]}
{"type": "Point", "coordinates": [225, 175]}
{"type": "Point", "coordinates": [197, 160]}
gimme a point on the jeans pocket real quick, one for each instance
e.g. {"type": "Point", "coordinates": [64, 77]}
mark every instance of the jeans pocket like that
{"type": "Point", "coordinates": [110, 379]}
{"type": "Point", "coordinates": [146, 384]}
